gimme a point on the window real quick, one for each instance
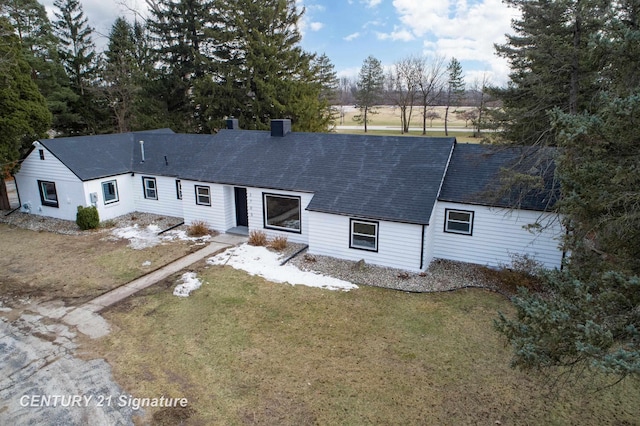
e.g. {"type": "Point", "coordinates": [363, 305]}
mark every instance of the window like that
{"type": "Point", "coordinates": [282, 212]}
{"type": "Point", "coordinates": [364, 235]}
{"type": "Point", "coordinates": [110, 191]}
{"type": "Point", "coordinates": [203, 195]}
{"type": "Point", "coordinates": [178, 189]}
{"type": "Point", "coordinates": [48, 194]}
{"type": "Point", "coordinates": [458, 222]}
{"type": "Point", "coordinates": [150, 188]}
{"type": "Point", "coordinates": [41, 152]}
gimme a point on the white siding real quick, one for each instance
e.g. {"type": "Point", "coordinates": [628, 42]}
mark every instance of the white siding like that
{"type": "Point", "coordinates": [167, 203]}
{"type": "Point", "coordinates": [124, 204]}
{"type": "Point", "coordinates": [68, 187]}
{"type": "Point", "coordinates": [399, 244]}
{"type": "Point", "coordinates": [230, 210]}
{"type": "Point", "coordinates": [215, 215]}
{"type": "Point", "coordinates": [498, 234]}
{"type": "Point", "coordinates": [256, 214]}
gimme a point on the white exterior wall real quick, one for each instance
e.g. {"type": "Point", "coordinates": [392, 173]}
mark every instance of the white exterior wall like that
{"type": "Point", "coordinates": [230, 210]}
{"type": "Point", "coordinates": [215, 215]}
{"type": "Point", "coordinates": [69, 188]}
{"type": "Point", "coordinates": [399, 244]}
{"type": "Point", "coordinates": [498, 234]}
{"type": "Point", "coordinates": [256, 214]}
{"type": "Point", "coordinates": [124, 204]}
{"type": "Point", "coordinates": [167, 203]}
{"type": "Point", "coordinates": [429, 232]}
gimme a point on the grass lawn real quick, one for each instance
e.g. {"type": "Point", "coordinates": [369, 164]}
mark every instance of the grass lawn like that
{"type": "Point", "coordinates": [246, 351]}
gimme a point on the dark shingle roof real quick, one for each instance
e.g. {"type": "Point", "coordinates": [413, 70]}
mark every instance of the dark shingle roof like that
{"type": "Point", "coordinates": [482, 174]}
{"type": "Point", "coordinates": [379, 177]}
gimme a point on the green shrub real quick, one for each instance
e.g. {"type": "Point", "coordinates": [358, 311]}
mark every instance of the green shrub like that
{"type": "Point", "coordinates": [87, 217]}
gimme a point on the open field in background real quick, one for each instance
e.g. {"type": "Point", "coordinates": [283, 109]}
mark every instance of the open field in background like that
{"type": "Point", "coordinates": [389, 116]}
{"type": "Point", "coordinates": [247, 351]}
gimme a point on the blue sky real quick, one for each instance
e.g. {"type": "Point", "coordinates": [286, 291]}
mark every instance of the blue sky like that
{"type": "Point", "coordinates": [348, 31]}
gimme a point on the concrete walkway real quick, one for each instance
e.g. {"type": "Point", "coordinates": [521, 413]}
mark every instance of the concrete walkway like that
{"type": "Point", "coordinates": [86, 318]}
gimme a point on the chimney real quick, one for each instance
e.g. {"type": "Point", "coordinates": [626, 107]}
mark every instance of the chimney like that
{"type": "Point", "coordinates": [280, 128]}
{"type": "Point", "coordinates": [232, 123]}
{"type": "Point", "coordinates": [142, 151]}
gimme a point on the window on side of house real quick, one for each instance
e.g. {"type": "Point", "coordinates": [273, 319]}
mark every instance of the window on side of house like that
{"type": "Point", "coordinates": [458, 222]}
{"type": "Point", "coordinates": [178, 189]}
{"type": "Point", "coordinates": [110, 191]}
{"type": "Point", "coordinates": [363, 235]}
{"type": "Point", "coordinates": [41, 152]}
{"type": "Point", "coordinates": [150, 188]}
{"type": "Point", "coordinates": [282, 212]}
{"type": "Point", "coordinates": [203, 195]}
{"type": "Point", "coordinates": [48, 193]}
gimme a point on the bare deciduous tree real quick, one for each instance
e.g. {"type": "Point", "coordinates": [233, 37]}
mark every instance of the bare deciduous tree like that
{"type": "Point", "coordinates": [430, 86]}
{"type": "Point", "coordinates": [403, 81]}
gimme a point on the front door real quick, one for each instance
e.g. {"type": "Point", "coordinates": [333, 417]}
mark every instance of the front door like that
{"type": "Point", "coordinates": [242, 216]}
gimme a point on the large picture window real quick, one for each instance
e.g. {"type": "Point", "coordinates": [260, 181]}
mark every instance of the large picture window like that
{"type": "Point", "coordinates": [203, 195]}
{"type": "Point", "coordinates": [110, 191]}
{"type": "Point", "coordinates": [282, 212]}
{"type": "Point", "coordinates": [150, 188]}
{"type": "Point", "coordinates": [364, 235]}
{"type": "Point", "coordinates": [48, 193]}
{"type": "Point", "coordinates": [458, 222]}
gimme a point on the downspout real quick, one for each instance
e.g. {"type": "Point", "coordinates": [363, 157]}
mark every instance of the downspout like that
{"type": "Point", "coordinates": [422, 249]}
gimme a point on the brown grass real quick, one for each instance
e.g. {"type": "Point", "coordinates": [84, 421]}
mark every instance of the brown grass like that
{"type": "Point", "coordinates": [257, 238]}
{"type": "Point", "coordinates": [279, 243]}
{"type": "Point", "coordinates": [243, 350]}
{"type": "Point", "coordinates": [198, 228]}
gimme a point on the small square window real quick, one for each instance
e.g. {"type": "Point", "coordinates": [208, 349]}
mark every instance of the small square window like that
{"type": "Point", "coordinates": [48, 193]}
{"type": "Point", "coordinates": [110, 191]}
{"type": "Point", "coordinates": [203, 195]}
{"type": "Point", "coordinates": [364, 235]}
{"type": "Point", "coordinates": [458, 222]}
{"type": "Point", "coordinates": [178, 189]}
{"type": "Point", "coordinates": [150, 188]}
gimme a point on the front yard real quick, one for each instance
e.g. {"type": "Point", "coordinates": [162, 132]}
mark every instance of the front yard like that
{"type": "Point", "coordinates": [243, 350]}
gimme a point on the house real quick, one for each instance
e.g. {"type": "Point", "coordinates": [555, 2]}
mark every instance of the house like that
{"type": "Point", "coordinates": [392, 201]}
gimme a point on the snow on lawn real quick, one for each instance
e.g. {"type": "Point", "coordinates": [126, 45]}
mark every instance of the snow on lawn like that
{"type": "Point", "coordinates": [262, 262]}
{"type": "Point", "coordinates": [141, 238]}
{"type": "Point", "coordinates": [189, 283]}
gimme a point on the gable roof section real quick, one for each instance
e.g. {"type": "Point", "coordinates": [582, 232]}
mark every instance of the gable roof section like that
{"type": "Point", "coordinates": [378, 177]}
{"type": "Point", "coordinates": [478, 174]}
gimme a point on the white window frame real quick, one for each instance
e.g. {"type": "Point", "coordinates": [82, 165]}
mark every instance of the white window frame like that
{"type": "Point", "coordinates": [265, 200]}
{"type": "Point", "coordinates": [448, 220]}
{"type": "Point", "coordinates": [150, 192]}
{"type": "Point", "coordinates": [44, 193]}
{"type": "Point", "coordinates": [200, 196]}
{"type": "Point", "coordinates": [105, 187]}
{"type": "Point", "coordinates": [352, 232]}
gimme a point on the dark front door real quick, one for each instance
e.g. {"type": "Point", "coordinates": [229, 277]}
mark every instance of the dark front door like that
{"type": "Point", "coordinates": [242, 217]}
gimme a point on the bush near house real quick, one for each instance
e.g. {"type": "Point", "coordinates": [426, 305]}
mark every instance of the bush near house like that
{"type": "Point", "coordinates": [87, 217]}
{"type": "Point", "coordinates": [198, 228]}
{"type": "Point", "coordinates": [279, 243]}
{"type": "Point", "coordinates": [257, 238]}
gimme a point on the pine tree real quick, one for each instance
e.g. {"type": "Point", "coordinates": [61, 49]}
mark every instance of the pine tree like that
{"type": "Point", "coordinates": [24, 116]}
{"type": "Point", "coordinates": [454, 90]}
{"type": "Point", "coordinates": [369, 89]}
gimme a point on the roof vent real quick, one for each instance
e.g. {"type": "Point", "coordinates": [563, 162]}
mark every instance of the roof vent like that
{"type": "Point", "coordinates": [233, 124]}
{"type": "Point", "coordinates": [142, 151]}
{"type": "Point", "coordinates": [280, 128]}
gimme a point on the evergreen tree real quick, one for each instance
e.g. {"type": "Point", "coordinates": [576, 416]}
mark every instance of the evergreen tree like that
{"type": "Point", "coordinates": [369, 89]}
{"type": "Point", "coordinates": [40, 46]}
{"type": "Point", "coordinates": [24, 116]}
{"type": "Point", "coordinates": [589, 317]}
{"type": "Point", "coordinates": [455, 89]}
{"type": "Point", "coordinates": [80, 59]}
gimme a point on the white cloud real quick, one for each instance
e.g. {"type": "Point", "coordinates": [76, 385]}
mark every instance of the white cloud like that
{"type": "Point", "coordinates": [371, 3]}
{"type": "Point", "coordinates": [316, 26]}
{"type": "Point", "coordinates": [398, 34]}
{"type": "Point", "coordinates": [351, 37]}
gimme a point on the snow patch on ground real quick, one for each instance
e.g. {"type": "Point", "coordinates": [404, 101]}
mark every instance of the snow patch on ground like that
{"type": "Point", "coordinates": [142, 238]}
{"type": "Point", "coordinates": [189, 282]}
{"type": "Point", "coordinates": [266, 264]}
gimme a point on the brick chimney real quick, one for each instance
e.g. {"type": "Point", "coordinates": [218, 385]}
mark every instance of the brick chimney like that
{"type": "Point", "coordinates": [280, 128]}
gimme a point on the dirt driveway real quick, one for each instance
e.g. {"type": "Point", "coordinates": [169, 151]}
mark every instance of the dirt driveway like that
{"type": "Point", "coordinates": [44, 276]}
